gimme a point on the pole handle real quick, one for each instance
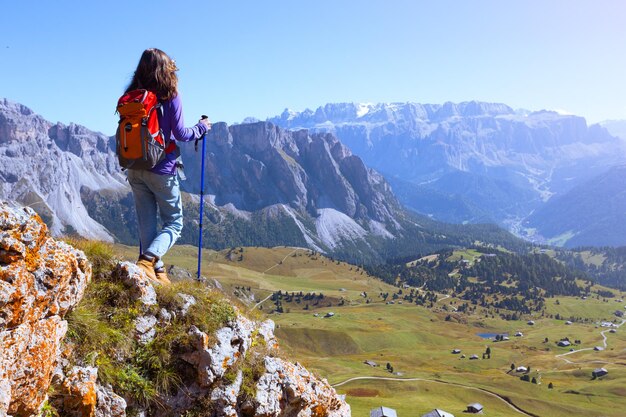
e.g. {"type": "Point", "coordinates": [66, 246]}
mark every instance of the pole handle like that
{"type": "Point", "coordinates": [195, 145]}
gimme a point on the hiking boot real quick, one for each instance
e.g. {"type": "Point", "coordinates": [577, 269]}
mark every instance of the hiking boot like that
{"type": "Point", "coordinates": [146, 263]}
{"type": "Point", "coordinates": [161, 276]}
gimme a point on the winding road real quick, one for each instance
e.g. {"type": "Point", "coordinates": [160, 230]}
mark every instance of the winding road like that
{"type": "Point", "coordinates": [604, 341]}
{"type": "Point", "coordinates": [502, 398]}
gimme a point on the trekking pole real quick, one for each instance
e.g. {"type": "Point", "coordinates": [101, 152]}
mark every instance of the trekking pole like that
{"type": "Point", "coordinates": [201, 200]}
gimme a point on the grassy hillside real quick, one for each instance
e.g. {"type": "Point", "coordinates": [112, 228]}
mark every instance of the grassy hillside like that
{"type": "Point", "coordinates": [417, 341]}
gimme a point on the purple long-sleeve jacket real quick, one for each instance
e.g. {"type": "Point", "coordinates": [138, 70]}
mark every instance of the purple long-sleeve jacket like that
{"type": "Point", "coordinates": [172, 124]}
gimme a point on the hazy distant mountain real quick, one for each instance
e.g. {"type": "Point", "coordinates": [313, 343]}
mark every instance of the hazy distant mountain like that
{"type": "Point", "coordinates": [465, 197]}
{"type": "Point", "coordinates": [615, 127]}
{"type": "Point", "coordinates": [591, 214]}
{"type": "Point", "coordinates": [485, 159]}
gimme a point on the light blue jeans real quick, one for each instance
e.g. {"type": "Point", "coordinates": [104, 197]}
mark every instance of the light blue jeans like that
{"type": "Point", "coordinates": [152, 191]}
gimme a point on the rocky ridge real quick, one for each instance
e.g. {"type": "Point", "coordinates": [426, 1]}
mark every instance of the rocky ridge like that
{"type": "Point", "coordinates": [42, 280]}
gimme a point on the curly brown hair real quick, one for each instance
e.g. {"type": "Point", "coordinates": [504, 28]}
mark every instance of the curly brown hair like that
{"type": "Point", "coordinates": [156, 72]}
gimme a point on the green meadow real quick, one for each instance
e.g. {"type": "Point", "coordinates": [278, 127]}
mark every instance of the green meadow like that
{"type": "Point", "coordinates": [417, 341]}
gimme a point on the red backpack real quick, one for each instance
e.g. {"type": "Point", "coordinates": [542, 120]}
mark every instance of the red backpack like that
{"type": "Point", "coordinates": [139, 140]}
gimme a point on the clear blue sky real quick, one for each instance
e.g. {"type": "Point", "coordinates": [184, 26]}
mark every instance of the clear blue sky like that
{"type": "Point", "coordinates": [70, 60]}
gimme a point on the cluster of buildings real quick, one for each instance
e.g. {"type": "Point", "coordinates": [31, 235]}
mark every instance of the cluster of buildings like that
{"type": "Point", "coordinates": [474, 408]}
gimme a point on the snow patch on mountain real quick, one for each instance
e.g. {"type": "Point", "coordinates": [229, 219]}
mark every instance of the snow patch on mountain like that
{"type": "Point", "coordinates": [363, 108]}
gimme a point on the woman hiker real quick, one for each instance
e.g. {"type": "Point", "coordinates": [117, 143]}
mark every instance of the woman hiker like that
{"type": "Point", "coordinates": [158, 187]}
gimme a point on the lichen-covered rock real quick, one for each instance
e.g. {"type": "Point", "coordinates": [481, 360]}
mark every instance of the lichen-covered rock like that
{"type": "Point", "coordinates": [40, 281]}
{"type": "Point", "coordinates": [266, 329]}
{"type": "Point", "coordinates": [28, 354]}
{"type": "Point", "coordinates": [283, 390]}
{"type": "Point", "coordinates": [232, 342]}
{"type": "Point", "coordinates": [79, 394]}
{"type": "Point", "coordinates": [224, 398]}
{"type": "Point", "coordinates": [140, 285]}
{"type": "Point", "coordinates": [288, 389]}
{"type": "Point", "coordinates": [145, 328]}
{"type": "Point", "coordinates": [109, 403]}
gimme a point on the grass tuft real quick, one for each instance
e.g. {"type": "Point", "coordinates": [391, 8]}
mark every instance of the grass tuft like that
{"type": "Point", "coordinates": [47, 410]}
{"type": "Point", "coordinates": [210, 312]}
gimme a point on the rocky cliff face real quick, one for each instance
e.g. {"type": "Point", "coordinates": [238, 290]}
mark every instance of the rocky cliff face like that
{"type": "Point", "coordinates": [312, 179]}
{"type": "Point", "coordinates": [257, 165]}
{"type": "Point", "coordinates": [42, 279]}
{"type": "Point", "coordinates": [488, 147]}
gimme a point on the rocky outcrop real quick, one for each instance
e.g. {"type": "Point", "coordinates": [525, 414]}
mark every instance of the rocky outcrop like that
{"type": "Point", "coordinates": [109, 404]}
{"type": "Point", "coordinates": [289, 389]}
{"type": "Point", "coordinates": [78, 394]}
{"type": "Point", "coordinates": [281, 389]}
{"type": "Point", "coordinates": [40, 281]}
{"type": "Point", "coordinates": [213, 361]}
{"type": "Point", "coordinates": [78, 391]}
{"type": "Point", "coordinates": [139, 284]}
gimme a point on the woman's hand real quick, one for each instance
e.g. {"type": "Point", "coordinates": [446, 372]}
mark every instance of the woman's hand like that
{"type": "Point", "coordinates": [205, 121]}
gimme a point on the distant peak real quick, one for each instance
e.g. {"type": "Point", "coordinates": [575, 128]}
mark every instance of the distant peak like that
{"type": "Point", "coordinates": [16, 107]}
{"type": "Point", "coordinates": [349, 112]}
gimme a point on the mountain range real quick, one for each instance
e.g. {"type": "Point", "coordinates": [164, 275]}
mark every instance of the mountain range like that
{"type": "Point", "coordinates": [473, 162]}
{"type": "Point", "coordinates": [265, 186]}
{"type": "Point", "coordinates": [309, 183]}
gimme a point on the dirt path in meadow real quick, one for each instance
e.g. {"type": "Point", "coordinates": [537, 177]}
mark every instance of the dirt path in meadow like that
{"type": "Point", "coordinates": [269, 269]}
{"type": "Point", "coordinates": [285, 258]}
